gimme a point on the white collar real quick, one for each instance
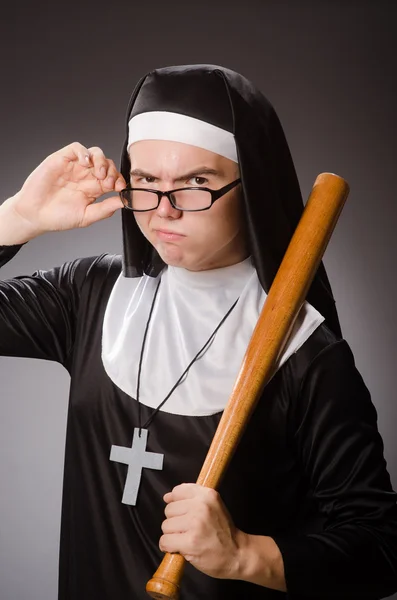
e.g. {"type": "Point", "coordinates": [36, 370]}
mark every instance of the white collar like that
{"type": "Point", "coordinates": [189, 306]}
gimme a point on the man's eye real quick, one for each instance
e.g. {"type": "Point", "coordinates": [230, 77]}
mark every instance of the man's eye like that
{"type": "Point", "coordinates": [149, 179]}
{"type": "Point", "coordinates": [199, 180]}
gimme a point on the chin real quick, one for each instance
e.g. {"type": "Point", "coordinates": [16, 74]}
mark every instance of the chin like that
{"type": "Point", "coordinates": [171, 258]}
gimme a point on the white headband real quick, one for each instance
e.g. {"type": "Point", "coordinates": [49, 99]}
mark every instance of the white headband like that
{"type": "Point", "coordinates": [162, 125]}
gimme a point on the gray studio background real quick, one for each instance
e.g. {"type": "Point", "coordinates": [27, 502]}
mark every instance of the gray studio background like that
{"type": "Point", "coordinates": [67, 72]}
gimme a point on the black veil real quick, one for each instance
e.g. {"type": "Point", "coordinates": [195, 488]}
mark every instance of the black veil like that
{"type": "Point", "coordinates": [271, 191]}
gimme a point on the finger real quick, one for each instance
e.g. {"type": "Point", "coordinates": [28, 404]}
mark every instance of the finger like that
{"type": "Point", "coordinates": [175, 542]}
{"type": "Point", "coordinates": [112, 176]}
{"type": "Point", "coordinates": [100, 162]}
{"type": "Point", "coordinates": [108, 184]}
{"type": "Point", "coordinates": [114, 179]}
{"type": "Point", "coordinates": [176, 509]}
{"type": "Point", "coordinates": [75, 152]}
{"type": "Point", "coordinates": [184, 491]}
{"type": "Point", "coordinates": [120, 183]}
{"type": "Point", "coordinates": [101, 210]}
{"type": "Point", "coordinates": [176, 524]}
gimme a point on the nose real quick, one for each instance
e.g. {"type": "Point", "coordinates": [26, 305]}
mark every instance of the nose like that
{"type": "Point", "coordinates": [166, 210]}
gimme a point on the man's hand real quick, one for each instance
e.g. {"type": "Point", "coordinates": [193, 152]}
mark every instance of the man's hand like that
{"type": "Point", "coordinates": [199, 527]}
{"type": "Point", "coordinates": [60, 193]}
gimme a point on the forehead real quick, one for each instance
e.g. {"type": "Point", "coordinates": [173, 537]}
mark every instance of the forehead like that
{"type": "Point", "coordinates": [170, 154]}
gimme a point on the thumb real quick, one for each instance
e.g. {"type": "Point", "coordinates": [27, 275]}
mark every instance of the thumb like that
{"type": "Point", "coordinates": [101, 210]}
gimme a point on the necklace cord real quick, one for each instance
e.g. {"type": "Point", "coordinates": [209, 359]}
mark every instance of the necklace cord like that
{"type": "Point", "coordinates": [202, 350]}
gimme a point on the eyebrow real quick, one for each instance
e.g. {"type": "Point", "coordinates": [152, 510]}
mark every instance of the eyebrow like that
{"type": "Point", "coordinates": [194, 173]}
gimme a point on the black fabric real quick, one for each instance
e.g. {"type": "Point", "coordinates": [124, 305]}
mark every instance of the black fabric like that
{"type": "Point", "coordinates": [272, 196]}
{"type": "Point", "coordinates": [8, 252]}
{"type": "Point", "coordinates": [309, 471]}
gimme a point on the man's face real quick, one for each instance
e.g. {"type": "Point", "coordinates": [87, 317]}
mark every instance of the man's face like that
{"type": "Point", "coordinates": [194, 240]}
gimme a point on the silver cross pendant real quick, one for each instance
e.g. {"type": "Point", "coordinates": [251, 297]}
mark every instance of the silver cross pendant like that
{"type": "Point", "coordinates": [137, 459]}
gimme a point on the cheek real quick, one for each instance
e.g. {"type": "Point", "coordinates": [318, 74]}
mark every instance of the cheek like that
{"type": "Point", "coordinates": [227, 219]}
{"type": "Point", "coordinates": [142, 220]}
{"type": "Point", "coordinates": [216, 227]}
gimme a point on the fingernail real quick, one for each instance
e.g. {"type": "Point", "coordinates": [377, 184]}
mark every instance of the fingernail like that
{"type": "Point", "coordinates": [102, 172]}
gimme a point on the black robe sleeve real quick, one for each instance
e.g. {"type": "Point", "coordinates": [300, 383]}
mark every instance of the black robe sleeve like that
{"type": "Point", "coordinates": [38, 312]}
{"type": "Point", "coordinates": [340, 450]}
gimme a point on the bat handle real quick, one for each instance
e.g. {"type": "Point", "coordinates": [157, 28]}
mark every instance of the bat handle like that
{"type": "Point", "coordinates": [165, 583]}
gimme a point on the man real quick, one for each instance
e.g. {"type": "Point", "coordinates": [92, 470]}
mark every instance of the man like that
{"type": "Point", "coordinates": [153, 347]}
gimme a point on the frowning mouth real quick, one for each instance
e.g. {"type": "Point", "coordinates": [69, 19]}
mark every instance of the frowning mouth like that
{"type": "Point", "coordinates": [164, 234]}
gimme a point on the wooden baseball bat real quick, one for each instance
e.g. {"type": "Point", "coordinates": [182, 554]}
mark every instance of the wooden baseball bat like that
{"type": "Point", "coordinates": [283, 303]}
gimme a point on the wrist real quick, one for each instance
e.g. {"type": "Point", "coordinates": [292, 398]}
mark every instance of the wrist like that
{"type": "Point", "coordinates": [260, 561]}
{"type": "Point", "coordinates": [14, 229]}
{"type": "Point", "coordinates": [244, 558]}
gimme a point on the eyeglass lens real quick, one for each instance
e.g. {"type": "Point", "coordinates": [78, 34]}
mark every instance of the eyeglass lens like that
{"type": "Point", "coordinates": [183, 199]}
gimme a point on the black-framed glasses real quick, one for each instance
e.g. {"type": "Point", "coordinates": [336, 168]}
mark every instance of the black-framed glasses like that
{"type": "Point", "coordinates": [189, 199]}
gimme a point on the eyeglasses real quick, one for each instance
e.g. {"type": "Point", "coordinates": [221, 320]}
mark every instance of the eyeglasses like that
{"type": "Point", "coordinates": [189, 199]}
